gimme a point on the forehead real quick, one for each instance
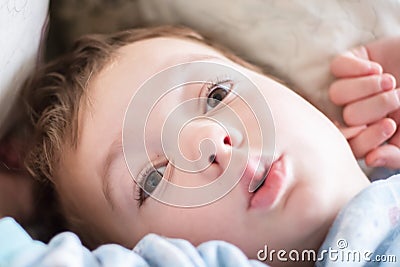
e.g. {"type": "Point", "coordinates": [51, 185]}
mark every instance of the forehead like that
{"type": "Point", "coordinates": [156, 54]}
{"type": "Point", "coordinates": [136, 62]}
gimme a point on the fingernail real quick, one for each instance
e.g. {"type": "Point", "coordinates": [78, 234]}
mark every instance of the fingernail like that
{"type": "Point", "coordinates": [378, 162]}
{"type": "Point", "coordinates": [375, 68]}
{"type": "Point", "coordinates": [388, 129]}
{"type": "Point", "coordinates": [387, 82]}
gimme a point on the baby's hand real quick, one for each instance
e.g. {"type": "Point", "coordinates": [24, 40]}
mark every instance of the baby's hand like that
{"type": "Point", "coordinates": [371, 107]}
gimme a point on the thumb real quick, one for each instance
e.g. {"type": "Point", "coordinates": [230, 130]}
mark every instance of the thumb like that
{"type": "Point", "coordinates": [353, 131]}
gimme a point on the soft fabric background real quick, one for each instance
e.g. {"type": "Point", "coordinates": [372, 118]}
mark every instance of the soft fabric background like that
{"type": "Point", "coordinates": [22, 23]}
{"type": "Point", "coordinates": [296, 38]}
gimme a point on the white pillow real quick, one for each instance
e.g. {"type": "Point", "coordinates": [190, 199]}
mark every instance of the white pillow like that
{"type": "Point", "coordinates": [21, 30]}
{"type": "Point", "coordinates": [297, 38]}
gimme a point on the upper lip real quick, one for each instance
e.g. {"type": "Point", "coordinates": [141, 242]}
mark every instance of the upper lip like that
{"type": "Point", "coordinates": [252, 172]}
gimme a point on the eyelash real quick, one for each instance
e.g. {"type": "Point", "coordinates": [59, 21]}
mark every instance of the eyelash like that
{"type": "Point", "coordinates": [141, 194]}
{"type": "Point", "coordinates": [143, 176]}
{"type": "Point", "coordinates": [211, 85]}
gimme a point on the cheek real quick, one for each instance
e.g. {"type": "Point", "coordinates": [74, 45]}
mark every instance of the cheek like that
{"type": "Point", "coordinates": [306, 205]}
{"type": "Point", "coordinates": [174, 222]}
{"type": "Point", "coordinates": [219, 220]}
{"type": "Point", "coordinates": [199, 179]}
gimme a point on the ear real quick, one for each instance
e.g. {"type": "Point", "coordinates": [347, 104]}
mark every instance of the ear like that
{"type": "Point", "coordinates": [10, 154]}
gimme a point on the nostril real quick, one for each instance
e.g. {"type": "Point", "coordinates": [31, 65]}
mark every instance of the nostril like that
{"type": "Point", "coordinates": [227, 140]}
{"type": "Point", "coordinates": [211, 159]}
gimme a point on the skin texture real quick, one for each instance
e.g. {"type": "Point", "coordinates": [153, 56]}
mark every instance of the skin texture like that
{"type": "Point", "coordinates": [16, 186]}
{"type": "Point", "coordinates": [321, 173]}
{"type": "Point", "coordinates": [16, 198]}
{"type": "Point", "coordinates": [366, 88]}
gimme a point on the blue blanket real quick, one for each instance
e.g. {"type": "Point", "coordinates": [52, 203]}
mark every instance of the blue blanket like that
{"type": "Point", "coordinates": [367, 231]}
{"type": "Point", "coordinates": [17, 249]}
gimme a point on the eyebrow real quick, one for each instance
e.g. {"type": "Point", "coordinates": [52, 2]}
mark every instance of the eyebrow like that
{"type": "Point", "coordinates": [113, 152]}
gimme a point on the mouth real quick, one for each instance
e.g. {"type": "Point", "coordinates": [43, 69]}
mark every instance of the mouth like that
{"type": "Point", "coordinates": [269, 189]}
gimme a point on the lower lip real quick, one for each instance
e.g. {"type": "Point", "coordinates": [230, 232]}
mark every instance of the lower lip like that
{"type": "Point", "coordinates": [268, 193]}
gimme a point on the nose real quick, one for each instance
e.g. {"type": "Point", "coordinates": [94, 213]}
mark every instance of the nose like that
{"type": "Point", "coordinates": [203, 141]}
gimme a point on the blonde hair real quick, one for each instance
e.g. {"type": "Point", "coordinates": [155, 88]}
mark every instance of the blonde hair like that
{"type": "Point", "coordinates": [53, 97]}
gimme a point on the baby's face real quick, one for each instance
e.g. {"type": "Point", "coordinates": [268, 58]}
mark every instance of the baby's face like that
{"type": "Point", "coordinates": [314, 173]}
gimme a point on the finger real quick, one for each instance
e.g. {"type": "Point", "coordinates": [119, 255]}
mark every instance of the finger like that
{"type": "Point", "coordinates": [354, 63]}
{"type": "Point", "coordinates": [384, 156]}
{"type": "Point", "coordinates": [344, 91]}
{"type": "Point", "coordinates": [372, 137]}
{"type": "Point", "coordinates": [385, 52]}
{"type": "Point", "coordinates": [350, 132]}
{"type": "Point", "coordinates": [372, 109]}
{"type": "Point", "coordinates": [395, 116]}
{"type": "Point", "coordinates": [395, 139]}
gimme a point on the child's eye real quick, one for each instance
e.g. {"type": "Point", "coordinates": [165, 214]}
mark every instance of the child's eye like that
{"type": "Point", "coordinates": [150, 181]}
{"type": "Point", "coordinates": [216, 93]}
{"type": "Point", "coordinates": [153, 179]}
